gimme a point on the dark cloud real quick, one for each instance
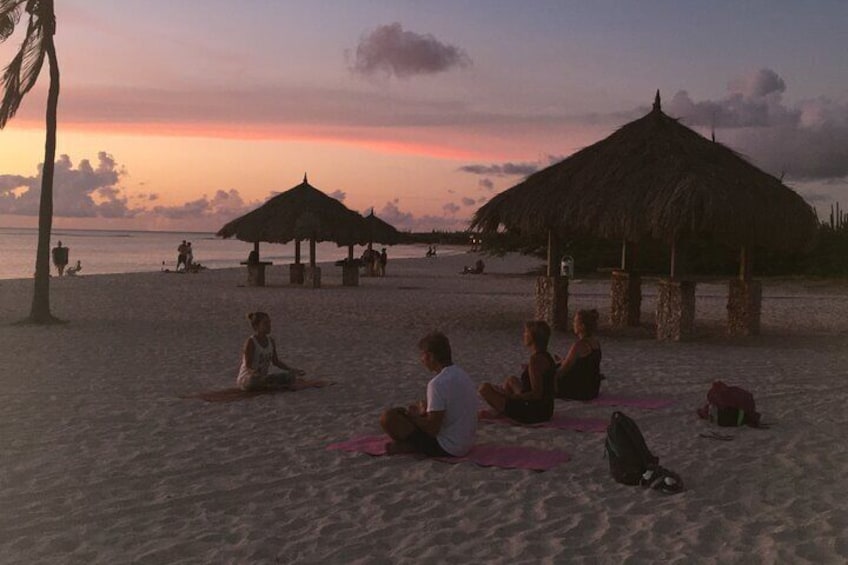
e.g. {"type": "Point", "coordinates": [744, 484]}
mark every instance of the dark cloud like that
{"type": "Point", "coordinates": [338, 195]}
{"type": "Point", "coordinates": [451, 208]}
{"type": "Point", "coordinates": [487, 184]}
{"type": "Point", "coordinates": [508, 169]}
{"type": "Point", "coordinates": [501, 170]}
{"type": "Point", "coordinates": [391, 50]}
{"type": "Point", "coordinates": [468, 201]}
{"type": "Point", "coordinates": [81, 192]}
{"type": "Point", "coordinates": [808, 141]}
{"type": "Point", "coordinates": [406, 221]}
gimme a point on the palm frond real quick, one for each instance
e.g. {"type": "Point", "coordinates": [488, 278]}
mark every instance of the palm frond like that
{"type": "Point", "coordinates": [10, 15]}
{"type": "Point", "coordinates": [21, 74]}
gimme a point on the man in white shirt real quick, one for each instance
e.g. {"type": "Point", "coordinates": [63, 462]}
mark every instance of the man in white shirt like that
{"type": "Point", "coordinates": [447, 424]}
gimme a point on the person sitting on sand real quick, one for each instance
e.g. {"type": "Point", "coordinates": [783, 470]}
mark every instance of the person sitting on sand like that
{"type": "Point", "coordinates": [529, 399]}
{"type": "Point", "coordinates": [258, 355]}
{"type": "Point", "coordinates": [579, 374]}
{"type": "Point", "coordinates": [446, 424]}
{"type": "Point", "coordinates": [72, 271]}
{"type": "Point", "coordinates": [477, 269]}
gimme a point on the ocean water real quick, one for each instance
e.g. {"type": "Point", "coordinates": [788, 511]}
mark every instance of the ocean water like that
{"type": "Point", "coordinates": [106, 251]}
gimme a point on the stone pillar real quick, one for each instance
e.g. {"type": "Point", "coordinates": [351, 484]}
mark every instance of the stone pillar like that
{"type": "Point", "coordinates": [625, 299]}
{"type": "Point", "coordinates": [256, 273]}
{"type": "Point", "coordinates": [744, 303]}
{"type": "Point", "coordinates": [312, 277]}
{"type": "Point", "coordinates": [552, 301]}
{"type": "Point", "coordinates": [675, 309]}
{"type": "Point", "coordinates": [296, 273]}
{"type": "Point", "coordinates": [350, 274]}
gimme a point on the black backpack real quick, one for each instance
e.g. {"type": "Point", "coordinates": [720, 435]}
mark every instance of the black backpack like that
{"type": "Point", "coordinates": [629, 456]}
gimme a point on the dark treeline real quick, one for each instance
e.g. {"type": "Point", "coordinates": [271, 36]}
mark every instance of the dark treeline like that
{"type": "Point", "coordinates": [827, 255]}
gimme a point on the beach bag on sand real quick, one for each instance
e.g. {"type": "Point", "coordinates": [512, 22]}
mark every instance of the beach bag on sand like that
{"type": "Point", "coordinates": [628, 454]}
{"type": "Point", "coordinates": [730, 406]}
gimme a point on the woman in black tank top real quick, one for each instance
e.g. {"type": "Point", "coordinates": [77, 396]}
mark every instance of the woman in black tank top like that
{"type": "Point", "coordinates": [578, 376]}
{"type": "Point", "coordinates": [529, 399]}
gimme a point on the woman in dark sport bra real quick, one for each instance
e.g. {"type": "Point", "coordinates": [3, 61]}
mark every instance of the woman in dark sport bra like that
{"type": "Point", "coordinates": [529, 399]}
{"type": "Point", "coordinates": [578, 376]}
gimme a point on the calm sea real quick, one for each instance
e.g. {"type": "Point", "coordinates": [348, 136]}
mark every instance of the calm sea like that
{"type": "Point", "coordinates": [103, 252]}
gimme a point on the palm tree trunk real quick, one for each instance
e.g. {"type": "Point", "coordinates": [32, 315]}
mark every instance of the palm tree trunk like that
{"type": "Point", "coordinates": [40, 311]}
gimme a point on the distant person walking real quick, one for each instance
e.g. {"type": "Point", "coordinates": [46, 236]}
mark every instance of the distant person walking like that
{"type": "Point", "coordinates": [60, 258]}
{"type": "Point", "coordinates": [181, 255]}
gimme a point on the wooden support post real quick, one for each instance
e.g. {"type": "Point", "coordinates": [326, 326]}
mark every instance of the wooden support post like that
{"type": "Point", "coordinates": [312, 252]}
{"type": "Point", "coordinates": [745, 263]}
{"type": "Point", "coordinates": [350, 270]}
{"type": "Point", "coordinates": [624, 254]}
{"type": "Point", "coordinates": [553, 254]}
{"type": "Point", "coordinates": [296, 269]}
{"type": "Point", "coordinates": [673, 260]}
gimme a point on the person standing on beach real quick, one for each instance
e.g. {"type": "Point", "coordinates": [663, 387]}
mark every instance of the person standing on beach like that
{"type": "Point", "coordinates": [446, 424]}
{"type": "Point", "coordinates": [530, 399]}
{"type": "Point", "coordinates": [181, 255]}
{"type": "Point", "coordinates": [60, 258]}
{"type": "Point", "coordinates": [258, 354]}
{"type": "Point", "coordinates": [384, 258]}
{"type": "Point", "coordinates": [189, 256]}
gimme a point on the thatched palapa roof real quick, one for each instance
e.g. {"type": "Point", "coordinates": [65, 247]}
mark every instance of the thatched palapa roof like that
{"type": "Point", "coordinates": [655, 178]}
{"type": "Point", "coordinates": [380, 231]}
{"type": "Point", "coordinates": [303, 212]}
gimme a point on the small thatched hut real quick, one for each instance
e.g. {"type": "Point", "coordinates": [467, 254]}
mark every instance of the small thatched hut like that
{"type": "Point", "coordinates": [377, 231]}
{"type": "Point", "coordinates": [380, 231]}
{"type": "Point", "coordinates": [301, 213]}
{"type": "Point", "coordinates": [655, 178]}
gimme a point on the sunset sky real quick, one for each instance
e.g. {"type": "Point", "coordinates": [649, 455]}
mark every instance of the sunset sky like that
{"type": "Point", "coordinates": [182, 114]}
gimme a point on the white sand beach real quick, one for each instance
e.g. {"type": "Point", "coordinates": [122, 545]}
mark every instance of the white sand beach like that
{"type": "Point", "coordinates": [101, 461]}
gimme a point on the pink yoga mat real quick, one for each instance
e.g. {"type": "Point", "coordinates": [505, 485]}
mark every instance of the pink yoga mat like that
{"type": "Point", "coordinates": [558, 421]}
{"type": "Point", "coordinates": [486, 455]}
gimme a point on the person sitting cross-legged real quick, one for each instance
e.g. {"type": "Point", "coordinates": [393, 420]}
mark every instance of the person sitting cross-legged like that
{"type": "Point", "coordinates": [529, 399]}
{"type": "Point", "coordinates": [445, 424]}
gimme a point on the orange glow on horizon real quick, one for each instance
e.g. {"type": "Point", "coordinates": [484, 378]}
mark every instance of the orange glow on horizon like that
{"type": "Point", "coordinates": [362, 137]}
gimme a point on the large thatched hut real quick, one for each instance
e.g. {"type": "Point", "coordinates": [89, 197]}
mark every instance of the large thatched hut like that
{"type": "Point", "coordinates": [656, 178]}
{"type": "Point", "coordinates": [301, 213]}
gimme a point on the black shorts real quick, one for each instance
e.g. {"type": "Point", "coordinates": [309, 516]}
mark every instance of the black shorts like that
{"type": "Point", "coordinates": [579, 389]}
{"type": "Point", "coordinates": [426, 444]}
{"type": "Point", "coordinates": [529, 411]}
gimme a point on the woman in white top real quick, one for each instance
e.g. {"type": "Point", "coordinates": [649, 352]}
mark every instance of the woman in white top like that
{"type": "Point", "coordinates": [259, 353]}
